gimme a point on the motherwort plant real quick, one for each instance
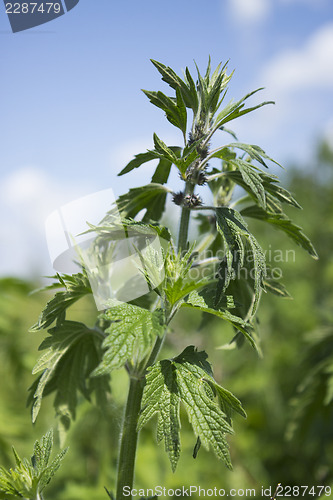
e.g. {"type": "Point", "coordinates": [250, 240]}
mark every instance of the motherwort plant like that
{"type": "Point", "coordinates": [172, 272]}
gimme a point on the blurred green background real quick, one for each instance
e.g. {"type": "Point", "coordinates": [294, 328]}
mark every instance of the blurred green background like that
{"type": "Point", "coordinates": [288, 394]}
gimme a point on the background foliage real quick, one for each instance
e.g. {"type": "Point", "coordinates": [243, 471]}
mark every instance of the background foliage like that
{"type": "Point", "coordinates": [287, 395]}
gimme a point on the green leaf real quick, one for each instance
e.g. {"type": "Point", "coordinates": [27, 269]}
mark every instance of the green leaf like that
{"type": "Point", "coordinates": [178, 283]}
{"type": "Point", "coordinates": [76, 286]}
{"type": "Point", "coordinates": [252, 179]}
{"type": "Point", "coordinates": [73, 351]}
{"type": "Point", "coordinates": [194, 379]}
{"type": "Point", "coordinates": [188, 92]}
{"type": "Point", "coordinates": [228, 402]}
{"type": "Point", "coordinates": [234, 110]}
{"type": "Point", "coordinates": [29, 478]}
{"type": "Point", "coordinates": [163, 150]}
{"type": "Point", "coordinates": [210, 88]}
{"type": "Point", "coordinates": [162, 172]}
{"type": "Point", "coordinates": [130, 335]}
{"type": "Point", "coordinates": [205, 301]}
{"type": "Point", "coordinates": [233, 230]}
{"type": "Point", "coordinates": [274, 286]}
{"type": "Point", "coordinates": [175, 110]}
{"type": "Point", "coordinates": [178, 290]}
{"type": "Point", "coordinates": [255, 152]}
{"type": "Point", "coordinates": [161, 396]}
{"type": "Point", "coordinates": [151, 197]}
{"type": "Point", "coordinates": [41, 457]}
{"type": "Point", "coordinates": [188, 379]}
{"type": "Point", "coordinates": [274, 193]}
{"type": "Point", "coordinates": [281, 194]}
{"type": "Point", "coordinates": [282, 222]}
{"type": "Point", "coordinates": [138, 161]}
{"type": "Point", "coordinates": [113, 228]}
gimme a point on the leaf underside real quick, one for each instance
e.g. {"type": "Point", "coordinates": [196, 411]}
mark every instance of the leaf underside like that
{"type": "Point", "coordinates": [188, 379]}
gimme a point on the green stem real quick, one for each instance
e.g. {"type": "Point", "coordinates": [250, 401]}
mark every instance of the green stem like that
{"type": "Point", "coordinates": [184, 221]}
{"type": "Point", "coordinates": [129, 439]}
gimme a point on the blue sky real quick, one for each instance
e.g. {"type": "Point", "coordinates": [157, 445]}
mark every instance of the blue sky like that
{"type": "Point", "coordinates": [72, 113]}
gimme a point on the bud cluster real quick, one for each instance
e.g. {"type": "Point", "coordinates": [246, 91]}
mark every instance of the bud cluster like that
{"type": "Point", "coordinates": [189, 200]}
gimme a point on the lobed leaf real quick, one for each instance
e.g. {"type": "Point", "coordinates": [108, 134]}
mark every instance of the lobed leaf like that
{"type": "Point", "coordinates": [151, 197]}
{"type": "Point", "coordinates": [187, 90]}
{"type": "Point", "coordinates": [29, 478]}
{"type": "Point", "coordinates": [206, 302]}
{"type": "Point", "coordinates": [274, 193]}
{"type": "Point", "coordinates": [252, 180]}
{"type": "Point", "coordinates": [131, 334]}
{"type": "Point", "coordinates": [282, 222]}
{"type": "Point", "coordinates": [188, 379]}
{"type": "Point", "coordinates": [254, 152]}
{"type": "Point", "coordinates": [73, 351]}
{"type": "Point", "coordinates": [138, 161]}
{"type": "Point", "coordinates": [76, 286]}
{"type": "Point", "coordinates": [161, 397]}
{"type": "Point", "coordinates": [174, 109]}
{"type": "Point", "coordinates": [236, 109]}
{"type": "Point", "coordinates": [232, 228]}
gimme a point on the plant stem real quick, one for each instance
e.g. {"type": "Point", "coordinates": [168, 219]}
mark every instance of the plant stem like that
{"type": "Point", "coordinates": [129, 438]}
{"type": "Point", "coordinates": [184, 221]}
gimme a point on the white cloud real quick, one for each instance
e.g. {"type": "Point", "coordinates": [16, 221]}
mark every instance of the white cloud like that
{"type": "Point", "coordinates": [249, 11]}
{"type": "Point", "coordinates": [27, 196]}
{"type": "Point", "coordinates": [308, 67]}
{"type": "Point", "coordinates": [300, 81]}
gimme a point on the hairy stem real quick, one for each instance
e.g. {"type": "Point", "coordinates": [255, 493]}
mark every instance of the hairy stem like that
{"type": "Point", "coordinates": [184, 221]}
{"type": "Point", "coordinates": [130, 433]}
{"type": "Point", "coordinates": [129, 439]}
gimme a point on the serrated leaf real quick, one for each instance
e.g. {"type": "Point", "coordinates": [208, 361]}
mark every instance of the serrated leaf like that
{"type": "Point", "coordinates": [208, 421]}
{"type": "Point", "coordinates": [206, 302]}
{"type": "Point", "coordinates": [188, 379]}
{"type": "Point", "coordinates": [188, 93]}
{"type": "Point", "coordinates": [113, 228]}
{"type": "Point", "coordinates": [228, 402]}
{"type": "Point", "coordinates": [272, 186]}
{"type": "Point", "coordinates": [274, 286]}
{"type": "Point", "coordinates": [274, 193]}
{"type": "Point", "coordinates": [130, 335]}
{"type": "Point", "coordinates": [233, 230]}
{"type": "Point", "coordinates": [76, 286]}
{"type": "Point", "coordinates": [29, 478]}
{"type": "Point", "coordinates": [255, 152]}
{"type": "Point", "coordinates": [252, 179]}
{"type": "Point", "coordinates": [151, 197]}
{"type": "Point", "coordinates": [236, 109]}
{"type": "Point", "coordinates": [163, 150]}
{"type": "Point", "coordinates": [161, 397]}
{"type": "Point", "coordinates": [73, 351]}
{"type": "Point", "coordinates": [178, 283]}
{"type": "Point", "coordinates": [137, 161]}
{"type": "Point", "coordinates": [282, 222]}
{"type": "Point", "coordinates": [174, 109]}
{"type": "Point", "coordinates": [178, 290]}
